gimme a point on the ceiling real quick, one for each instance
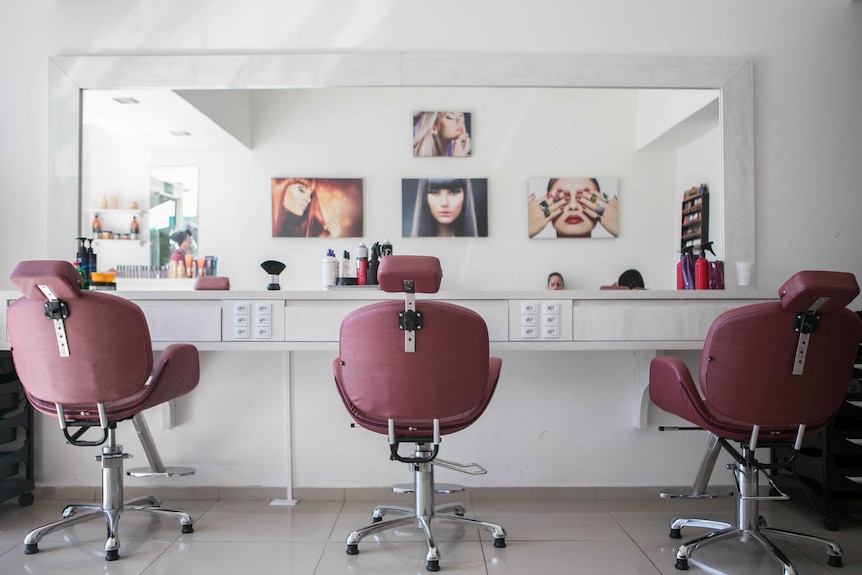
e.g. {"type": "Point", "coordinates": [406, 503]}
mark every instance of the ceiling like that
{"type": "Point", "coordinates": [156, 119]}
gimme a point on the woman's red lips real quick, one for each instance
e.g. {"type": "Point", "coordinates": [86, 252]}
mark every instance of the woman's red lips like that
{"type": "Point", "coordinates": [574, 220]}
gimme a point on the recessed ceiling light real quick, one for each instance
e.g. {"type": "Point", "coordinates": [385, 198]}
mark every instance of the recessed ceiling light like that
{"type": "Point", "coordinates": [180, 133]}
{"type": "Point", "coordinates": [126, 100]}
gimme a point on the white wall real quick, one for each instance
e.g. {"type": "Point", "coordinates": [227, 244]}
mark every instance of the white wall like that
{"type": "Point", "coordinates": [808, 133]}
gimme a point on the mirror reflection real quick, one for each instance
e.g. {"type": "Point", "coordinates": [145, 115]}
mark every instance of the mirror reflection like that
{"type": "Point", "coordinates": [173, 215]}
{"type": "Point", "coordinates": [127, 130]}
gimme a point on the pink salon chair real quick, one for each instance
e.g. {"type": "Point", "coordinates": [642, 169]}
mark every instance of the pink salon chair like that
{"type": "Point", "coordinates": [769, 372]}
{"type": "Point", "coordinates": [416, 371]}
{"type": "Point", "coordinates": [86, 358]}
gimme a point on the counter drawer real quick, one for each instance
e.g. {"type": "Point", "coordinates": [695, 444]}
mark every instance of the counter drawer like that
{"type": "Point", "coordinates": [183, 321]}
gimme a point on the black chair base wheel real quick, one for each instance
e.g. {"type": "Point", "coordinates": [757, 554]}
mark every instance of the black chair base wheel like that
{"type": "Point", "coordinates": [188, 528]}
{"type": "Point", "coordinates": [112, 555]}
{"type": "Point", "coordinates": [831, 523]}
{"type": "Point", "coordinates": [835, 561]}
{"type": "Point", "coordinates": [676, 533]}
{"type": "Point", "coordinates": [353, 549]}
{"type": "Point", "coordinates": [26, 499]}
{"type": "Point", "coordinates": [31, 548]}
{"type": "Point", "coordinates": [499, 543]}
{"type": "Point", "coordinates": [433, 566]}
{"type": "Point", "coordinates": [681, 564]}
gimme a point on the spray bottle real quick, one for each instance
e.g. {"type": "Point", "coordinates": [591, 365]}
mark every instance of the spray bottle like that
{"type": "Point", "coordinates": [82, 263]}
{"type": "Point", "coordinates": [685, 269]}
{"type": "Point", "coordinates": [373, 264]}
{"type": "Point", "coordinates": [701, 267]}
{"type": "Point", "coordinates": [91, 259]}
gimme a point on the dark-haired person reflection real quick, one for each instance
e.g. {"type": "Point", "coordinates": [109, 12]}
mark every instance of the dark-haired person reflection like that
{"type": "Point", "coordinates": [631, 279]}
{"type": "Point", "coordinates": [444, 208]}
{"type": "Point", "coordinates": [556, 281]}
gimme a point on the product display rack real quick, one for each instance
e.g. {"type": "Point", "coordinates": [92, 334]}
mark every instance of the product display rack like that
{"type": "Point", "coordinates": [827, 471]}
{"type": "Point", "coordinates": [695, 217]}
{"type": "Point", "coordinates": [16, 436]}
{"type": "Point", "coordinates": [116, 221]}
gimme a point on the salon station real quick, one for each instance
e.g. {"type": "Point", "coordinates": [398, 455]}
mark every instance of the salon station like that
{"type": "Point", "coordinates": [571, 416]}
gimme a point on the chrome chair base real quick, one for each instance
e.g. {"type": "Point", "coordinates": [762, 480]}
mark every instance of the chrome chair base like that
{"type": "Point", "coordinates": [425, 514]}
{"type": "Point", "coordinates": [750, 525]}
{"type": "Point", "coordinates": [112, 505]}
{"type": "Point", "coordinates": [699, 489]}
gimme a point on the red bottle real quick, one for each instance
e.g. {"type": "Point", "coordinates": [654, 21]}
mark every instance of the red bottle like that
{"type": "Point", "coordinates": [701, 267]}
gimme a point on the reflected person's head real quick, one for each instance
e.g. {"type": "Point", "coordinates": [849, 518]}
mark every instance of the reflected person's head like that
{"type": "Point", "coordinates": [297, 195]}
{"type": "Point", "coordinates": [573, 222]}
{"type": "Point", "coordinates": [556, 282]}
{"type": "Point", "coordinates": [631, 279]}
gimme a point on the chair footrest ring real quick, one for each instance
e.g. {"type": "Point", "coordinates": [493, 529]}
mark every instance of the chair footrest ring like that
{"type": "Point", "coordinates": [168, 472]}
{"type": "Point", "coordinates": [688, 493]}
{"type": "Point", "coordinates": [438, 488]}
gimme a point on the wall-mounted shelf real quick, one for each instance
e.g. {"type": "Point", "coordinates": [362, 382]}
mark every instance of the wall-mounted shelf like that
{"type": "Point", "coordinates": [137, 242]}
{"type": "Point", "coordinates": [695, 217]}
{"type": "Point", "coordinates": [106, 211]}
{"type": "Point", "coordinates": [117, 221]}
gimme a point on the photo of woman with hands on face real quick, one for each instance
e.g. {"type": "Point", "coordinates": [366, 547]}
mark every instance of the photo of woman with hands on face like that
{"type": "Point", "coordinates": [574, 208]}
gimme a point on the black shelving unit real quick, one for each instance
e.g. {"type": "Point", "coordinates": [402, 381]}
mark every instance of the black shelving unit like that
{"type": "Point", "coordinates": [16, 436]}
{"type": "Point", "coordinates": [695, 217]}
{"type": "Point", "coordinates": [828, 469]}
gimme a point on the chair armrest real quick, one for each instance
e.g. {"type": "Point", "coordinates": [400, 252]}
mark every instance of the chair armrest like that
{"type": "Point", "coordinates": [176, 374]}
{"type": "Point", "coordinates": [672, 388]}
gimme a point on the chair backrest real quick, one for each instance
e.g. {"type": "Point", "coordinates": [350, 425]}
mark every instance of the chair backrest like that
{"type": "Point", "coordinates": [110, 354]}
{"type": "Point", "coordinates": [449, 376]}
{"type": "Point", "coordinates": [750, 354]}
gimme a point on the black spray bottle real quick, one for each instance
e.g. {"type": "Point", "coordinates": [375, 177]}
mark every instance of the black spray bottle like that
{"type": "Point", "coordinates": [82, 262]}
{"type": "Point", "coordinates": [91, 257]}
{"type": "Point", "coordinates": [373, 264]}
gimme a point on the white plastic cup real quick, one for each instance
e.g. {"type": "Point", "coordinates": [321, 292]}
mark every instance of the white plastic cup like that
{"type": "Point", "coordinates": [743, 274]}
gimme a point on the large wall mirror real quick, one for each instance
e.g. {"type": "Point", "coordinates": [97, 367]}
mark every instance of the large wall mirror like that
{"type": "Point", "coordinates": [73, 78]}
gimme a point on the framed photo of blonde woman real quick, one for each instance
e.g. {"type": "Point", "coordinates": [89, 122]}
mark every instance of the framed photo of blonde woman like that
{"type": "Point", "coordinates": [442, 134]}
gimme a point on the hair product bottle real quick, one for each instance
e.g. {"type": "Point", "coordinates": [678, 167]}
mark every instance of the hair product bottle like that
{"type": "Point", "coordinates": [685, 269]}
{"type": "Point", "coordinates": [373, 264]}
{"type": "Point", "coordinates": [134, 228]}
{"type": "Point", "coordinates": [701, 267]}
{"type": "Point", "coordinates": [385, 248]}
{"type": "Point", "coordinates": [329, 269]}
{"type": "Point", "coordinates": [97, 226]}
{"type": "Point", "coordinates": [361, 264]}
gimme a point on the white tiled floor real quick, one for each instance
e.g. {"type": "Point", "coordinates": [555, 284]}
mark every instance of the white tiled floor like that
{"type": "Point", "coordinates": [615, 537]}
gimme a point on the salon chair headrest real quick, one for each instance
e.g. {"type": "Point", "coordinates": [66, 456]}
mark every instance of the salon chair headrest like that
{"type": "Point", "coordinates": [61, 276]}
{"type": "Point", "coordinates": [425, 271]}
{"type": "Point", "coordinates": [804, 288]}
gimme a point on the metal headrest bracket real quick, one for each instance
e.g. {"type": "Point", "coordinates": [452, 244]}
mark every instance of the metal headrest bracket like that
{"type": "Point", "coordinates": [409, 321]}
{"type": "Point", "coordinates": [56, 310]}
{"type": "Point", "coordinates": [806, 324]}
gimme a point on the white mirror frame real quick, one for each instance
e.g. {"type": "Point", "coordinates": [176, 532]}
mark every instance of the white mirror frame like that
{"type": "Point", "coordinates": [732, 76]}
